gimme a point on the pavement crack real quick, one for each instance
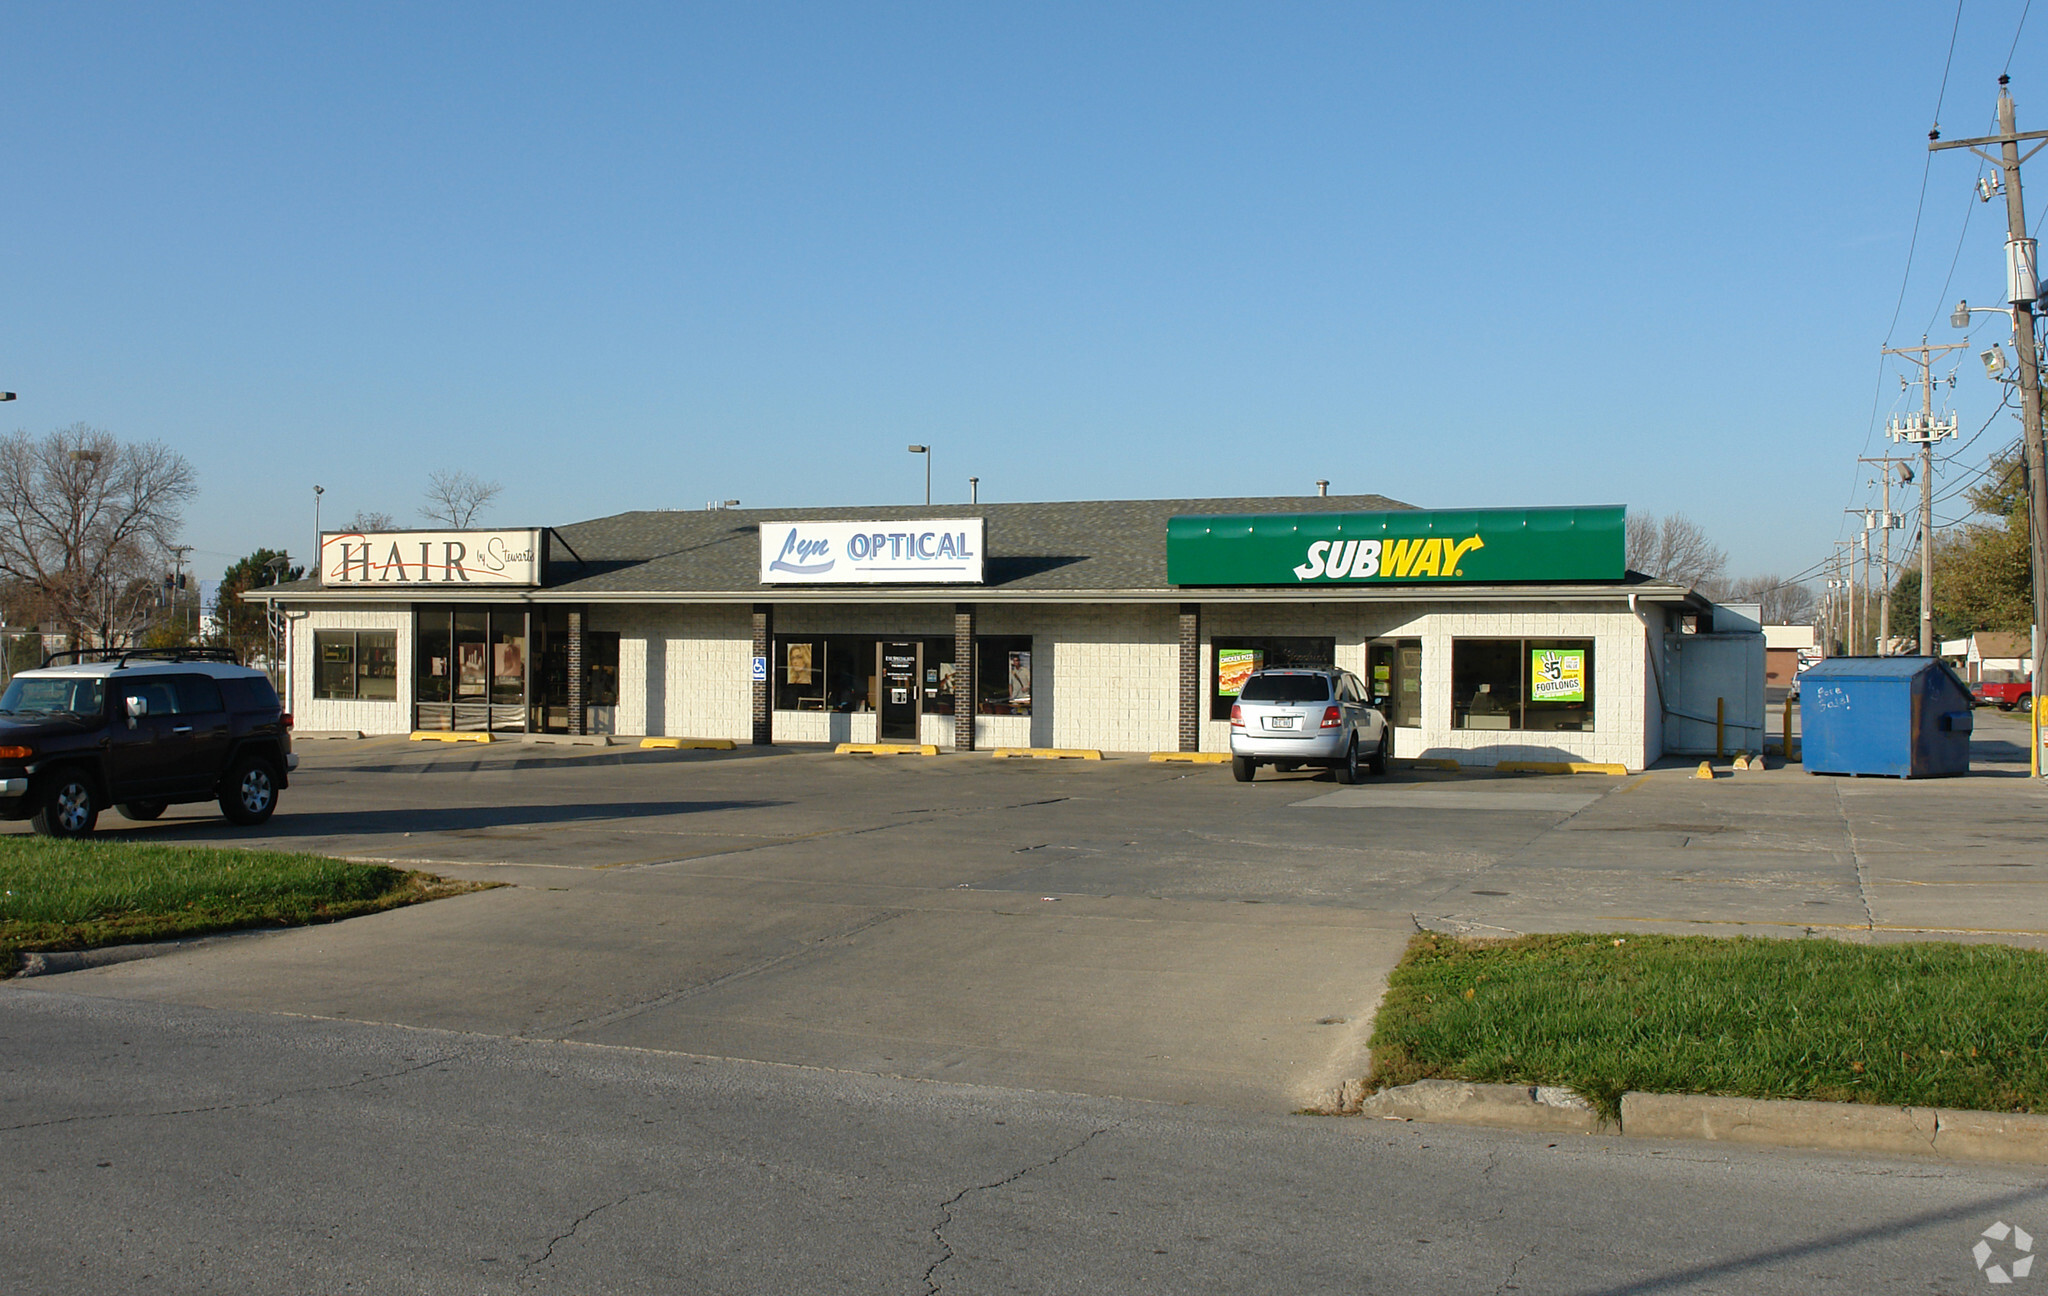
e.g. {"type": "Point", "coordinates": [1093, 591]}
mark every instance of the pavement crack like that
{"type": "Point", "coordinates": [931, 1274]}
{"type": "Point", "coordinates": [251, 1105]}
{"type": "Point", "coordinates": [1507, 1284]}
{"type": "Point", "coordinates": [810, 947]}
{"type": "Point", "coordinates": [1856, 859]}
{"type": "Point", "coordinates": [548, 1252]}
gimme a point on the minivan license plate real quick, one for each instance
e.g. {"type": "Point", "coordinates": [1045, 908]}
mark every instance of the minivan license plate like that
{"type": "Point", "coordinates": [1280, 722]}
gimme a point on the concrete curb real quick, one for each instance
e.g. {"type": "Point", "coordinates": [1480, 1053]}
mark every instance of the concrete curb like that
{"type": "Point", "coordinates": [79, 960]}
{"type": "Point", "coordinates": [1998, 1137]}
{"type": "Point", "coordinates": [1454, 1102]}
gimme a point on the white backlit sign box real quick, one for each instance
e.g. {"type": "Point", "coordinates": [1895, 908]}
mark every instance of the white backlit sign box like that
{"type": "Point", "coordinates": [932, 551]}
{"type": "Point", "coordinates": [430, 558]}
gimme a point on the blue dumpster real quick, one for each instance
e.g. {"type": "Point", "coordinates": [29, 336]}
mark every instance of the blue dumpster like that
{"type": "Point", "coordinates": [1902, 717]}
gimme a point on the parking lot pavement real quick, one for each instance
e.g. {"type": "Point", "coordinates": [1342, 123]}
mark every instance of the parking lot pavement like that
{"type": "Point", "coordinates": [1116, 928]}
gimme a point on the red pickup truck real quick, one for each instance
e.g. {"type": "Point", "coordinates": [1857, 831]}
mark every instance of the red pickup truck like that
{"type": "Point", "coordinates": [2006, 692]}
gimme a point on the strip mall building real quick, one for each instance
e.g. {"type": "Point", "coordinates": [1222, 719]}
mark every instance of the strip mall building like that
{"type": "Point", "coordinates": [1124, 626]}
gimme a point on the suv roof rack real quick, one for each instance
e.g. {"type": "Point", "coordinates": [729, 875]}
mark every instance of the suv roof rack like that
{"type": "Point", "coordinates": [122, 656]}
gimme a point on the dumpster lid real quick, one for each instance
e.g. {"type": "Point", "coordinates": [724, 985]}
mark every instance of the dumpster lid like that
{"type": "Point", "coordinates": [1874, 668]}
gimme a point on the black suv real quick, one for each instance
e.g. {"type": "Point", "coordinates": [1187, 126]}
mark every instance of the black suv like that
{"type": "Point", "coordinates": [140, 730]}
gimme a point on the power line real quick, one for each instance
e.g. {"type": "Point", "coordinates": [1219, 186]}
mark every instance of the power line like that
{"type": "Point", "coordinates": [2015, 35]}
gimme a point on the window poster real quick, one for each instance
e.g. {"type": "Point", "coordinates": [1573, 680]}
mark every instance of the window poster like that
{"type": "Point", "coordinates": [507, 661]}
{"type": "Point", "coordinates": [1233, 667]}
{"type": "Point", "coordinates": [1020, 677]}
{"type": "Point", "coordinates": [1557, 675]}
{"type": "Point", "coordinates": [799, 663]}
{"type": "Point", "coordinates": [469, 659]}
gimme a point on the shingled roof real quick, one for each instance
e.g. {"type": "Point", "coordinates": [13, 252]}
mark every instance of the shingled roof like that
{"type": "Point", "coordinates": [1080, 545]}
{"type": "Point", "coordinates": [1059, 551]}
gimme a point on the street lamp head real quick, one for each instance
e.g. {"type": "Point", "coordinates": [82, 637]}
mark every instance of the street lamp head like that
{"type": "Point", "coordinates": [916, 449]}
{"type": "Point", "coordinates": [1994, 360]}
{"type": "Point", "coordinates": [6, 396]}
{"type": "Point", "coordinates": [319, 490]}
{"type": "Point", "coordinates": [1961, 318]}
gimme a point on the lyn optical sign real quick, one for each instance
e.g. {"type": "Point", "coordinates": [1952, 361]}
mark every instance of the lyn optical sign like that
{"type": "Point", "coordinates": [1426, 546]}
{"type": "Point", "coordinates": [927, 551]}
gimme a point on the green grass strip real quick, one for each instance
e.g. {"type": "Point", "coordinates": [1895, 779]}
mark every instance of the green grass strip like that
{"type": "Point", "coordinates": [76, 895]}
{"type": "Point", "coordinates": [1919, 1025]}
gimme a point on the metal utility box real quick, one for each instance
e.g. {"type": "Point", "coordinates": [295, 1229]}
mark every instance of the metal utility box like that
{"type": "Point", "coordinates": [1900, 717]}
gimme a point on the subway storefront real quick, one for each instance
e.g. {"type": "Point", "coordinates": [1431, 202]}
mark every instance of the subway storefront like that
{"type": "Point", "coordinates": [1124, 626]}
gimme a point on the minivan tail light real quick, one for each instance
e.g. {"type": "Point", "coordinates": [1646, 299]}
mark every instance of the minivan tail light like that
{"type": "Point", "coordinates": [287, 719]}
{"type": "Point", "coordinates": [1236, 716]}
{"type": "Point", "coordinates": [16, 753]}
{"type": "Point", "coordinates": [1333, 718]}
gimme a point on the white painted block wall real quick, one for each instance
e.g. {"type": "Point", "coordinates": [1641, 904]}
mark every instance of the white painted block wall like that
{"type": "Point", "coordinates": [317, 715]}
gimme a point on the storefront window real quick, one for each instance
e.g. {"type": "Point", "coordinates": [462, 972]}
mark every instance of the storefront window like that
{"type": "Point", "coordinates": [1530, 684]}
{"type": "Point", "coordinates": [1002, 675]}
{"type": "Point", "coordinates": [355, 665]}
{"type": "Point", "coordinates": [1236, 658]}
{"type": "Point", "coordinates": [334, 664]}
{"type": "Point", "coordinates": [1395, 669]}
{"type": "Point", "coordinates": [472, 656]}
{"type": "Point", "coordinates": [433, 648]}
{"type": "Point", "coordinates": [470, 668]}
{"type": "Point", "coordinates": [601, 668]}
{"type": "Point", "coordinates": [837, 673]}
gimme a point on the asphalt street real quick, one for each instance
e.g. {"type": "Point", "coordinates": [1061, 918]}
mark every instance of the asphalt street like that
{"type": "Point", "coordinates": [165, 1149]}
{"type": "Point", "coordinates": [790, 1021]}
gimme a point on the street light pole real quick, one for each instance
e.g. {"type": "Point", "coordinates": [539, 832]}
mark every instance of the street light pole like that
{"type": "Point", "coordinates": [318, 491]}
{"type": "Point", "coordinates": [926, 451]}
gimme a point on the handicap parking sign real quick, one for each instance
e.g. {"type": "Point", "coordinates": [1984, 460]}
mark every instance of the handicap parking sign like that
{"type": "Point", "coordinates": [760, 669]}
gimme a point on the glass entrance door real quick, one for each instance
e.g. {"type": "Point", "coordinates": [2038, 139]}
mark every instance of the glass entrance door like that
{"type": "Point", "coordinates": [897, 720]}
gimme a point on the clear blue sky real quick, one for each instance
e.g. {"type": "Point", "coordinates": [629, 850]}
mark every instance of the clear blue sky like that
{"type": "Point", "coordinates": [623, 257]}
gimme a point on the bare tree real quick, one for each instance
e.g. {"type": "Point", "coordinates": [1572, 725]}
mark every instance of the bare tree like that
{"type": "Point", "coordinates": [371, 520]}
{"type": "Point", "coordinates": [1784, 602]}
{"type": "Point", "coordinates": [1677, 549]}
{"type": "Point", "coordinates": [85, 527]}
{"type": "Point", "coordinates": [455, 498]}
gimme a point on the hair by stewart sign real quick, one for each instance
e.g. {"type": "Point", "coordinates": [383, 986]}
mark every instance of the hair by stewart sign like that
{"type": "Point", "coordinates": [1407, 546]}
{"type": "Point", "coordinates": [431, 558]}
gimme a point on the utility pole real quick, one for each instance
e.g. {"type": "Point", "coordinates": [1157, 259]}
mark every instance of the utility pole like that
{"type": "Point", "coordinates": [1891, 522]}
{"type": "Point", "coordinates": [1923, 430]}
{"type": "Point", "coordinates": [2022, 288]}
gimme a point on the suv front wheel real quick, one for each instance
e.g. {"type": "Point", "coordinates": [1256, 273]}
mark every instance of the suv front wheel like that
{"type": "Point", "coordinates": [67, 806]}
{"type": "Point", "coordinates": [249, 793]}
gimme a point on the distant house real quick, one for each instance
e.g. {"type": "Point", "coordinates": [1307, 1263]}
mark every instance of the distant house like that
{"type": "Point", "coordinates": [1994, 651]}
{"type": "Point", "coordinates": [1784, 645]}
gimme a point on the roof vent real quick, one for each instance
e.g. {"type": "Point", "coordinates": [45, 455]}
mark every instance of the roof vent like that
{"type": "Point", "coordinates": [1322, 487]}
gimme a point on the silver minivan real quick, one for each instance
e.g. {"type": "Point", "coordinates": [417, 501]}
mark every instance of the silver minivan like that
{"type": "Point", "coordinates": [1291, 718]}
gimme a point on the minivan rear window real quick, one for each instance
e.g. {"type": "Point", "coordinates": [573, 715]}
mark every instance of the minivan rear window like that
{"type": "Point", "coordinates": [1286, 688]}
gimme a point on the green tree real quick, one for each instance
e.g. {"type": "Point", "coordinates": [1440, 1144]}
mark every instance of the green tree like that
{"type": "Point", "coordinates": [1983, 576]}
{"type": "Point", "coordinates": [243, 624]}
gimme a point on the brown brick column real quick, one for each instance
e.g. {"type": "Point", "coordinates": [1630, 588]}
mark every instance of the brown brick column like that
{"type": "Point", "coordinates": [764, 697]}
{"type": "Point", "coordinates": [1190, 677]}
{"type": "Point", "coordinates": [963, 677]}
{"type": "Point", "coordinates": [578, 718]}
